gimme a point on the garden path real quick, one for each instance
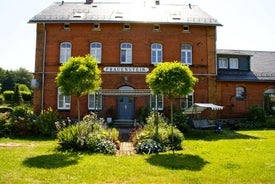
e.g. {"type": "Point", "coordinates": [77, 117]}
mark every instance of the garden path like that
{"type": "Point", "coordinates": [126, 148]}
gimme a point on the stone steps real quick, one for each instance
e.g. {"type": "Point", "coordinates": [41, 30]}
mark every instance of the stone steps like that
{"type": "Point", "coordinates": [126, 149]}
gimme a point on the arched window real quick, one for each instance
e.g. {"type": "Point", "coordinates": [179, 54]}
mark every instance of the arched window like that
{"type": "Point", "coordinates": [156, 53]}
{"type": "Point", "coordinates": [186, 54]}
{"type": "Point", "coordinates": [240, 92]}
{"type": "Point", "coordinates": [95, 51]}
{"type": "Point", "coordinates": [65, 51]}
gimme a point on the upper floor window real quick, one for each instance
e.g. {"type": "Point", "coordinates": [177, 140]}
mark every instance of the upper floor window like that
{"type": "Point", "coordinates": [186, 54]}
{"type": "Point", "coordinates": [95, 101]}
{"type": "Point", "coordinates": [126, 53]}
{"type": "Point", "coordinates": [233, 63]}
{"type": "Point", "coordinates": [64, 102]}
{"type": "Point", "coordinates": [95, 51]}
{"type": "Point", "coordinates": [240, 92]}
{"type": "Point", "coordinates": [156, 53]}
{"type": "Point", "coordinates": [187, 101]}
{"type": "Point", "coordinates": [65, 51]}
{"type": "Point", "coordinates": [223, 63]}
{"type": "Point", "coordinates": [157, 102]}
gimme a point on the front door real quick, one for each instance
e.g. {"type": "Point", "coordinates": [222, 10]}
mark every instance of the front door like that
{"type": "Point", "coordinates": [125, 107]}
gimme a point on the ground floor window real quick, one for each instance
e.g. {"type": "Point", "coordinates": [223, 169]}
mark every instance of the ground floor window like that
{"type": "Point", "coordinates": [186, 101]}
{"type": "Point", "coordinates": [95, 101]}
{"type": "Point", "coordinates": [269, 101]}
{"type": "Point", "coordinates": [156, 101]}
{"type": "Point", "coordinates": [64, 102]}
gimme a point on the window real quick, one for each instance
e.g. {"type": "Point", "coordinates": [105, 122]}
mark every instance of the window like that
{"type": "Point", "coordinates": [186, 101]}
{"type": "Point", "coordinates": [186, 54]}
{"type": "Point", "coordinates": [95, 101]}
{"type": "Point", "coordinates": [65, 51]}
{"type": "Point", "coordinates": [64, 102]}
{"type": "Point", "coordinates": [240, 92]}
{"type": "Point", "coordinates": [233, 63]}
{"type": "Point", "coordinates": [156, 27]}
{"type": "Point", "coordinates": [67, 26]}
{"type": "Point", "coordinates": [223, 63]}
{"type": "Point", "coordinates": [96, 26]}
{"type": "Point", "coordinates": [95, 51]}
{"type": "Point", "coordinates": [157, 101]}
{"type": "Point", "coordinates": [126, 53]}
{"type": "Point", "coordinates": [126, 26]}
{"type": "Point", "coordinates": [156, 53]}
{"type": "Point", "coordinates": [185, 28]}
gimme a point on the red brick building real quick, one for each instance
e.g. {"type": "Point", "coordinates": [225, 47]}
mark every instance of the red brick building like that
{"type": "Point", "coordinates": [128, 39]}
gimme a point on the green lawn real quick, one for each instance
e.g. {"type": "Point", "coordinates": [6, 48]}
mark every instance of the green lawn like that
{"type": "Point", "coordinates": [229, 157]}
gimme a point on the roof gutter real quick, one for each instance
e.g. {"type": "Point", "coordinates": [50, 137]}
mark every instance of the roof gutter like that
{"type": "Point", "coordinates": [43, 67]}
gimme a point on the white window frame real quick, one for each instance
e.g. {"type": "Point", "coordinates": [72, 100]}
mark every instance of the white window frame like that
{"type": "Point", "coordinates": [64, 102]}
{"type": "Point", "coordinates": [223, 63]}
{"type": "Point", "coordinates": [95, 101]}
{"type": "Point", "coordinates": [240, 92]}
{"type": "Point", "coordinates": [126, 53]}
{"type": "Point", "coordinates": [186, 54]}
{"type": "Point", "coordinates": [156, 53]}
{"type": "Point", "coordinates": [234, 63]}
{"type": "Point", "coordinates": [65, 52]}
{"type": "Point", "coordinates": [187, 101]}
{"type": "Point", "coordinates": [160, 102]}
{"type": "Point", "coordinates": [96, 51]}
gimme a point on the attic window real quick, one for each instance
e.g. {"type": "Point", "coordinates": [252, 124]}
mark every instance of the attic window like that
{"type": "Point", "coordinates": [96, 26]}
{"type": "Point", "coordinates": [126, 26]}
{"type": "Point", "coordinates": [176, 18]}
{"type": "Point", "coordinates": [186, 28]}
{"type": "Point", "coordinates": [118, 16]}
{"type": "Point", "coordinates": [77, 15]}
{"type": "Point", "coordinates": [66, 26]}
{"type": "Point", "coordinates": [156, 27]}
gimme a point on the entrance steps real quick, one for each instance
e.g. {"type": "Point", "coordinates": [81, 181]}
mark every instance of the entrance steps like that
{"type": "Point", "coordinates": [123, 124]}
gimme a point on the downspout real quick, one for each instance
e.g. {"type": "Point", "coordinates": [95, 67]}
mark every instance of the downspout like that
{"type": "Point", "coordinates": [43, 67]}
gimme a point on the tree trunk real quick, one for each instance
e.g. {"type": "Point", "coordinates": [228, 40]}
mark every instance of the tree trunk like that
{"type": "Point", "coordinates": [78, 109]}
{"type": "Point", "coordinates": [172, 123]}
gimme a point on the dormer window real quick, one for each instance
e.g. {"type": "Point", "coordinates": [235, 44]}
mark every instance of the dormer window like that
{"type": "Point", "coordinates": [233, 63]}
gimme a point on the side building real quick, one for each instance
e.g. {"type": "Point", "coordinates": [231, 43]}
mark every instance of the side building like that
{"type": "Point", "coordinates": [245, 78]}
{"type": "Point", "coordinates": [127, 39]}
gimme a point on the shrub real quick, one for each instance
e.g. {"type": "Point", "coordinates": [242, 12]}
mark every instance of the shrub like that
{"type": "Point", "coordinates": [148, 146]}
{"type": "Point", "coordinates": [181, 121]}
{"type": "Point", "coordinates": [5, 127]}
{"type": "Point", "coordinates": [89, 135]}
{"type": "Point", "coordinates": [270, 123]}
{"type": "Point", "coordinates": [23, 121]}
{"type": "Point", "coordinates": [8, 95]}
{"type": "Point", "coordinates": [45, 122]}
{"type": "Point", "coordinates": [26, 95]}
{"type": "Point", "coordinates": [256, 114]}
{"type": "Point", "coordinates": [163, 136]}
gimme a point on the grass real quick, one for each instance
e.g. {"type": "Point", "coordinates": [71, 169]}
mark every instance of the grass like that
{"type": "Point", "coordinates": [229, 157]}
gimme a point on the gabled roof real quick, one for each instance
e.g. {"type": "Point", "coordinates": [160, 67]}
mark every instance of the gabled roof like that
{"type": "Point", "coordinates": [262, 66]}
{"type": "Point", "coordinates": [114, 11]}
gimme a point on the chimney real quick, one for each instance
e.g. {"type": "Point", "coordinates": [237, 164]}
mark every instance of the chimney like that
{"type": "Point", "coordinates": [89, 1]}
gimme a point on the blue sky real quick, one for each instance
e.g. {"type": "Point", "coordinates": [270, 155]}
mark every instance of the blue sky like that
{"type": "Point", "coordinates": [247, 25]}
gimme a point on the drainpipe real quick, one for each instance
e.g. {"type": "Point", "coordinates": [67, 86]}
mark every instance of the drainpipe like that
{"type": "Point", "coordinates": [43, 67]}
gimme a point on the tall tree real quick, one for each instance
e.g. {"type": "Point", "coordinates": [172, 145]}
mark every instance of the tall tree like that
{"type": "Point", "coordinates": [171, 79]}
{"type": "Point", "coordinates": [79, 76]}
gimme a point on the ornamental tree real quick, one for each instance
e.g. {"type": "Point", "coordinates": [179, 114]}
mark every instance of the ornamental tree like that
{"type": "Point", "coordinates": [171, 79]}
{"type": "Point", "coordinates": [79, 76]}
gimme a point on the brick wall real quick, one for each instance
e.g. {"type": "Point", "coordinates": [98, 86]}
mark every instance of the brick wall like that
{"type": "Point", "coordinates": [141, 36]}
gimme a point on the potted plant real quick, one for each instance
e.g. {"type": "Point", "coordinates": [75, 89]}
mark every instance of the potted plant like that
{"type": "Point", "coordinates": [110, 112]}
